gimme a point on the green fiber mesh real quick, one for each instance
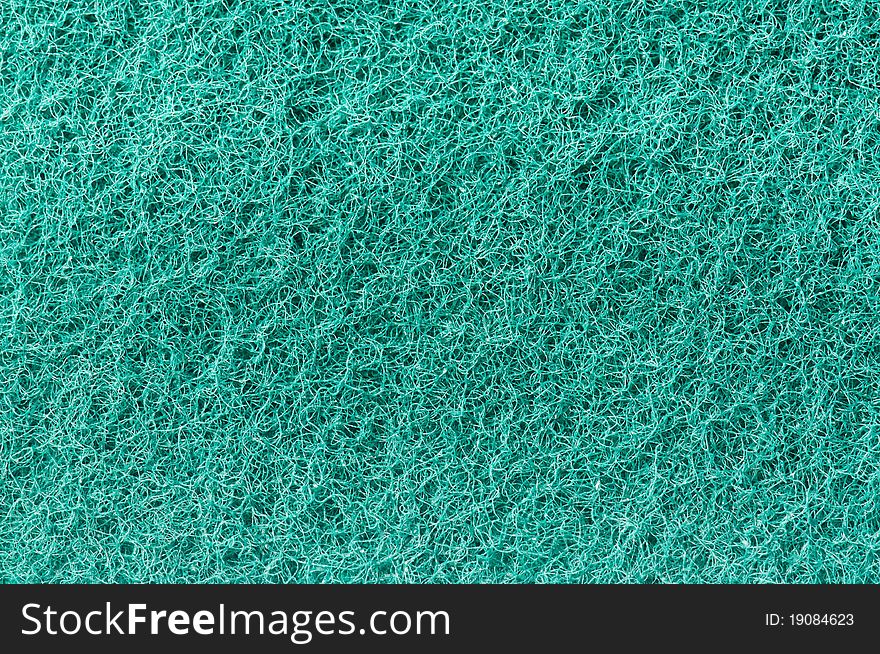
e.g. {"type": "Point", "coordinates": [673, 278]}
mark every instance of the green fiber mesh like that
{"type": "Point", "coordinates": [439, 290]}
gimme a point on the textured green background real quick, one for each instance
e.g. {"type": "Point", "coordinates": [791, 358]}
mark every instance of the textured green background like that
{"type": "Point", "coordinates": [464, 290]}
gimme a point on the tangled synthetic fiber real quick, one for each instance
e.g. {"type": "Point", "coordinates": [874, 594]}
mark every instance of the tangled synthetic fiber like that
{"type": "Point", "coordinates": [439, 291]}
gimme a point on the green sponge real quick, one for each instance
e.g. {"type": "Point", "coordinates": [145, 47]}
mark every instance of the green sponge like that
{"type": "Point", "coordinates": [439, 291]}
